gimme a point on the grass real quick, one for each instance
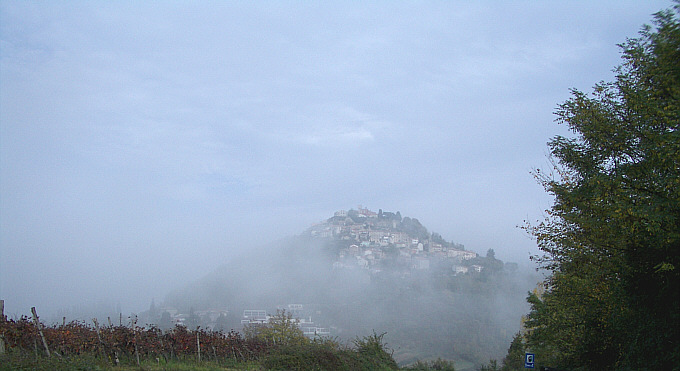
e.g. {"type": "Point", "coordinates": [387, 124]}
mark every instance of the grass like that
{"type": "Point", "coordinates": [368, 353]}
{"type": "Point", "coordinates": [315, 357]}
{"type": "Point", "coordinates": [86, 362]}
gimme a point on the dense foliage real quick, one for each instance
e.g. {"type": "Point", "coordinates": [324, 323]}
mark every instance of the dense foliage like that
{"type": "Point", "coordinates": [612, 238]}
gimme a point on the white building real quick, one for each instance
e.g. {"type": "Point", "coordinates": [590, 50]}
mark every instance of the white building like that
{"type": "Point", "coordinates": [251, 316]}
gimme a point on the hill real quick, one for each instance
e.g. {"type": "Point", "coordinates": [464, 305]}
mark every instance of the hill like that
{"type": "Point", "coordinates": [360, 271]}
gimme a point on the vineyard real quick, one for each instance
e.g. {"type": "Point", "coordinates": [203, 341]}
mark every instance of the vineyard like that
{"type": "Point", "coordinates": [28, 344]}
{"type": "Point", "coordinates": [127, 345]}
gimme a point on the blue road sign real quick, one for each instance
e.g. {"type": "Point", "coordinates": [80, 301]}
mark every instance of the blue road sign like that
{"type": "Point", "coordinates": [528, 360]}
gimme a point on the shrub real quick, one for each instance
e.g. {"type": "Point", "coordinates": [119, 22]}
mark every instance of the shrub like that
{"type": "Point", "coordinates": [282, 329]}
{"type": "Point", "coordinates": [373, 353]}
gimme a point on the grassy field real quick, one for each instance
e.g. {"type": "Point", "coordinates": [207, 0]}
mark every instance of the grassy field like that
{"type": "Point", "coordinates": [291, 359]}
{"type": "Point", "coordinates": [88, 362]}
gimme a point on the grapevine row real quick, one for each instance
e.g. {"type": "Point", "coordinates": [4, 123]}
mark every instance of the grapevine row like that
{"type": "Point", "coordinates": [123, 342]}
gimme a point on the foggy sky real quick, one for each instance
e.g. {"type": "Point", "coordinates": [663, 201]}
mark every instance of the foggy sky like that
{"type": "Point", "coordinates": [142, 144]}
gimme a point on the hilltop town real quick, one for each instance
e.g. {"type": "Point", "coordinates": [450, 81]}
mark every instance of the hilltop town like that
{"type": "Point", "coordinates": [368, 238]}
{"type": "Point", "coordinates": [377, 246]}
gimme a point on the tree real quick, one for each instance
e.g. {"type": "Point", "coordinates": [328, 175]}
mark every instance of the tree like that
{"type": "Point", "coordinates": [514, 360]}
{"type": "Point", "coordinates": [282, 329]}
{"type": "Point", "coordinates": [165, 322]}
{"type": "Point", "coordinates": [222, 323]}
{"type": "Point", "coordinates": [153, 312]}
{"type": "Point", "coordinates": [192, 321]}
{"type": "Point", "coordinates": [612, 238]}
{"type": "Point", "coordinates": [437, 238]}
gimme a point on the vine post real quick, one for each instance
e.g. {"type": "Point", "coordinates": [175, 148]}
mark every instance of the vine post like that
{"type": "Point", "coordinates": [133, 324]}
{"type": "Point", "coordinates": [42, 336]}
{"type": "Point", "coordinates": [198, 346]}
{"type": "Point", "coordinates": [2, 319]}
{"type": "Point", "coordinates": [99, 337]}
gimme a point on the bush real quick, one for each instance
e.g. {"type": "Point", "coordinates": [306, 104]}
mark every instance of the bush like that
{"type": "Point", "coordinates": [282, 329]}
{"type": "Point", "coordinates": [369, 353]}
{"type": "Point", "coordinates": [311, 356]}
{"type": "Point", "coordinates": [373, 353]}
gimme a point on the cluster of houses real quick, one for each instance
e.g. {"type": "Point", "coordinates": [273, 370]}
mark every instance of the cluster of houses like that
{"type": "Point", "coordinates": [256, 317]}
{"type": "Point", "coordinates": [373, 239]}
{"type": "Point", "coordinates": [209, 319]}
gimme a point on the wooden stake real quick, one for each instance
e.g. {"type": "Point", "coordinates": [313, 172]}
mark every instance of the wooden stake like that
{"type": "Point", "coordinates": [42, 336]}
{"type": "Point", "coordinates": [198, 345]}
{"type": "Point", "coordinates": [101, 343]}
{"type": "Point", "coordinates": [134, 329]}
{"type": "Point", "coordinates": [2, 319]}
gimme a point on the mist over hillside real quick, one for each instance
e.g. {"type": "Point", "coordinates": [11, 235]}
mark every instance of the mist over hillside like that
{"type": "Point", "coordinates": [354, 274]}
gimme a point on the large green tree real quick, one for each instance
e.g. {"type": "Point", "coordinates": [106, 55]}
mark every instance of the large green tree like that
{"type": "Point", "coordinates": [611, 241]}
